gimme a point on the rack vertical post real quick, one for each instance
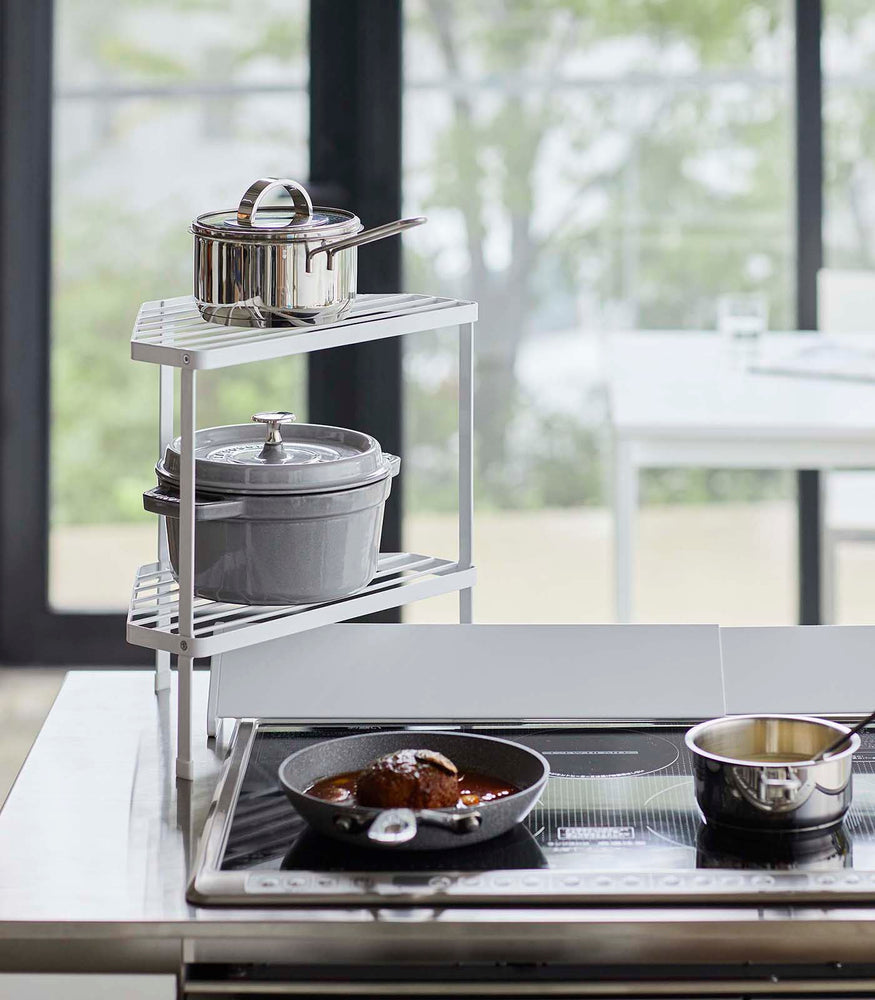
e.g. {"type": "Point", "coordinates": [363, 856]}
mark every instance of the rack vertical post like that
{"type": "Point", "coordinates": [466, 465]}
{"type": "Point", "coordinates": [185, 659]}
{"type": "Point", "coordinates": [165, 436]}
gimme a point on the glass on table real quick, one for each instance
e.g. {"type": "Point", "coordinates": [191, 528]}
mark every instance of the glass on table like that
{"type": "Point", "coordinates": [742, 318]}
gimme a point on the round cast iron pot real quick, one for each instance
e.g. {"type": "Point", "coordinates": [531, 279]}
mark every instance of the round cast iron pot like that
{"type": "Point", "coordinates": [279, 522]}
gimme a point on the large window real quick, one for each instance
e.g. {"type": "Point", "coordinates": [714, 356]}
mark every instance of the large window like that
{"type": "Point", "coordinates": [162, 110]}
{"type": "Point", "coordinates": [587, 169]}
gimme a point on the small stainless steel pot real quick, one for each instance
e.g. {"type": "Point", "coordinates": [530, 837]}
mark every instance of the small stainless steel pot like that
{"type": "Point", "coordinates": [423, 829]}
{"type": "Point", "coordinates": [279, 522]}
{"type": "Point", "coordinates": [268, 266]}
{"type": "Point", "coordinates": [737, 789]}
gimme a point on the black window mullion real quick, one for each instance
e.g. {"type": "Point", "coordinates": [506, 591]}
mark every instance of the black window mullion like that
{"type": "Point", "coordinates": [25, 141]}
{"type": "Point", "coordinates": [809, 257]}
{"type": "Point", "coordinates": [355, 148]}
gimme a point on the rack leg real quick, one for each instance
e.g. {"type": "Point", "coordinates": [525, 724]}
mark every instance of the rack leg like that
{"type": "Point", "coordinates": [466, 464]}
{"type": "Point", "coordinates": [184, 765]}
{"type": "Point", "coordinates": [184, 762]}
{"type": "Point", "coordinates": [213, 696]}
{"type": "Point", "coordinates": [165, 433]}
{"type": "Point", "coordinates": [162, 671]}
{"type": "Point", "coordinates": [625, 510]}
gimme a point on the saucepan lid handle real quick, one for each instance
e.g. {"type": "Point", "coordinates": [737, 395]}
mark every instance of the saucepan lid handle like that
{"type": "Point", "coordinates": [258, 191]}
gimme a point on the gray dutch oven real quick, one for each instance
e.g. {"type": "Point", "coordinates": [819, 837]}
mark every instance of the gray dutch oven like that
{"type": "Point", "coordinates": [754, 773]}
{"type": "Point", "coordinates": [420, 829]}
{"type": "Point", "coordinates": [279, 521]}
{"type": "Point", "coordinates": [288, 265]}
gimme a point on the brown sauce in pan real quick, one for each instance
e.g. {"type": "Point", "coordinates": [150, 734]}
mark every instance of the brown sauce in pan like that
{"type": "Point", "coordinates": [474, 788]}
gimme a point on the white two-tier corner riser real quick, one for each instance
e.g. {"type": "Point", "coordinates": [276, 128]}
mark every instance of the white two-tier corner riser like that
{"type": "Point", "coordinates": [165, 614]}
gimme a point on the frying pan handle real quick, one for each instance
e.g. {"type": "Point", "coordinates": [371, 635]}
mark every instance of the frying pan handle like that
{"type": "Point", "coordinates": [366, 236]}
{"type": "Point", "coordinates": [397, 826]}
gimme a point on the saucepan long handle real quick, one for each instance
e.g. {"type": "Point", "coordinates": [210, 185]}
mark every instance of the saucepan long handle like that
{"type": "Point", "coordinates": [366, 236]}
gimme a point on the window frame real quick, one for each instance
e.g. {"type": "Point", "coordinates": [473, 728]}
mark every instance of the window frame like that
{"type": "Point", "coordinates": [356, 85]}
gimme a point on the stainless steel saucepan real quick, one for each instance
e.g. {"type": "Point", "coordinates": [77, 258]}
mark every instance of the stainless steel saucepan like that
{"type": "Point", "coordinates": [291, 265]}
{"type": "Point", "coordinates": [421, 829]}
{"type": "Point", "coordinates": [758, 773]}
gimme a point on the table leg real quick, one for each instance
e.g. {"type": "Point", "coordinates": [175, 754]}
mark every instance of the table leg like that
{"type": "Point", "coordinates": [828, 560]}
{"type": "Point", "coordinates": [625, 508]}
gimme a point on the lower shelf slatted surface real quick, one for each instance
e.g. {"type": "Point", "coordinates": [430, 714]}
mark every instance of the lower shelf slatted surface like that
{"type": "Point", "coordinates": [153, 618]}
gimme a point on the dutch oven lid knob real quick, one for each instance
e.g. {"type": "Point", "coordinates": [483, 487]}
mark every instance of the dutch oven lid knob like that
{"type": "Point", "coordinates": [273, 442]}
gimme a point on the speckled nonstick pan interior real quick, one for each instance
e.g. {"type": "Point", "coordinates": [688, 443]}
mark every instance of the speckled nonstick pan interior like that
{"type": "Point", "coordinates": [511, 762]}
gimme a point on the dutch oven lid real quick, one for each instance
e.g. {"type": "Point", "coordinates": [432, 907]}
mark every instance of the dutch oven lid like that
{"type": "Point", "coordinates": [297, 220]}
{"type": "Point", "coordinates": [310, 458]}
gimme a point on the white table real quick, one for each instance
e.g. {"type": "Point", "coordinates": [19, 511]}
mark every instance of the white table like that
{"type": "Point", "coordinates": [683, 399]}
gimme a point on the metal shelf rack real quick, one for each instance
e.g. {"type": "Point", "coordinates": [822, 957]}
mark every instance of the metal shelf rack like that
{"type": "Point", "coordinates": [166, 615]}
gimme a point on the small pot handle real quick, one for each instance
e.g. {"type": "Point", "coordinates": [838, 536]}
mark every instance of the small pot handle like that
{"type": "Point", "coordinates": [394, 463]}
{"type": "Point", "coordinates": [790, 784]}
{"type": "Point", "coordinates": [398, 826]}
{"type": "Point", "coordinates": [769, 792]}
{"type": "Point", "coordinates": [166, 502]}
{"type": "Point", "coordinates": [258, 191]}
{"type": "Point", "coordinates": [366, 236]}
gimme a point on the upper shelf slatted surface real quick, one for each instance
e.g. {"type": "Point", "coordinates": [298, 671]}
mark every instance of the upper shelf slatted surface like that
{"type": "Point", "coordinates": [172, 332]}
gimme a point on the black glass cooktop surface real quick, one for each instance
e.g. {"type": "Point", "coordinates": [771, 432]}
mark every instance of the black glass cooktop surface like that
{"type": "Point", "coordinates": [617, 819]}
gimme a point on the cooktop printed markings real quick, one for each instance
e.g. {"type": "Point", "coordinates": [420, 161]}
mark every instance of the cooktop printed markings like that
{"type": "Point", "coordinates": [672, 815]}
{"type": "Point", "coordinates": [599, 754]}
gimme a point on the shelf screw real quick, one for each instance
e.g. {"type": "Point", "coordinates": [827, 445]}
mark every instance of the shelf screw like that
{"type": "Point", "coordinates": [186, 360]}
{"type": "Point", "coordinates": [183, 645]}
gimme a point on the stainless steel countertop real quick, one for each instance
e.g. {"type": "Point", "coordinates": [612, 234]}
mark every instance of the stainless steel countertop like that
{"type": "Point", "coordinates": [95, 845]}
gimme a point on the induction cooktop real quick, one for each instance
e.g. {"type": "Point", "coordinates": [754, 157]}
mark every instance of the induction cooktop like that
{"type": "Point", "coordinates": [616, 823]}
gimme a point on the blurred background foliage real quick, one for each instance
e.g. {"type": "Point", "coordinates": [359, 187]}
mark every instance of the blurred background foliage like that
{"type": "Point", "coordinates": [587, 166]}
{"type": "Point", "coordinates": [593, 166]}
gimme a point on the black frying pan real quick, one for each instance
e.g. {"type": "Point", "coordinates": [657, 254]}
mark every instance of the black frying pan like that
{"type": "Point", "coordinates": [422, 829]}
